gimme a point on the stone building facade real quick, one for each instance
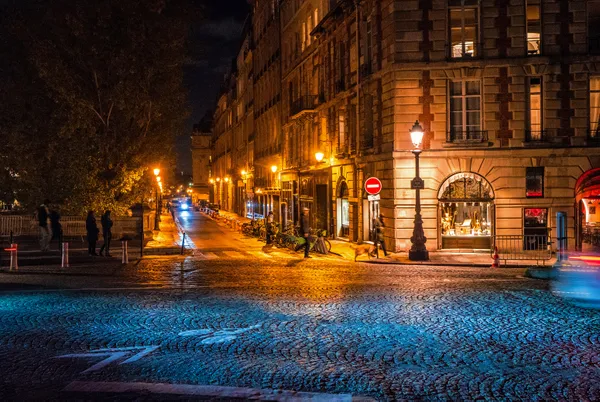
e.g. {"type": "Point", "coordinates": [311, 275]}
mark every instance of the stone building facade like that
{"type": "Point", "coordinates": [201, 159]}
{"type": "Point", "coordinates": [508, 92]}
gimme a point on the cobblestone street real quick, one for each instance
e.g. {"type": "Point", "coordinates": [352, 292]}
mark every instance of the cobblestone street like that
{"type": "Point", "coordinates": [319, 327]}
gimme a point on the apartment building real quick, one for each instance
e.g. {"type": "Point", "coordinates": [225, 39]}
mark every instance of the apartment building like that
{"type": "Point", "coordinates": [507, 91]}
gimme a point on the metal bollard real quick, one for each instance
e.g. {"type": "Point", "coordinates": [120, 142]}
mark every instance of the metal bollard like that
{"type": "Point", "coordinates": [65, 255]}
{"type": "Point", "coordinates": [125, 253]}
{"type": "Point", "coordinates": [13, 257]}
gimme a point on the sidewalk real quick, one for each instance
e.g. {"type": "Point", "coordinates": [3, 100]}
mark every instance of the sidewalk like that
{"type": "Point", "coordinates": [167, 241]}
{"type": "Point", "coordinates": [458, 258]}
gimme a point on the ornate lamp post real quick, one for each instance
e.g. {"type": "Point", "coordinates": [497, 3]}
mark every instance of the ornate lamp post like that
{"type": "Point", "coordinates": [418, 251]}
{"type": "Point", "coordinates": [156, 174]}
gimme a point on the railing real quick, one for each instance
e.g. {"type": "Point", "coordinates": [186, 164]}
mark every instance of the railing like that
{"type": "Point", "coordinates": [467, 137]}
{"type": "Point", "coordinates": [594, 137]}
{"type": "Point", "coordinates": [27, 225]}
{"type": "Point", "coordinates": [536, 135]}
{"type": "Point", "coordinates": [304, 103]}
{"type": "Point", "coordinates": [522, 247]}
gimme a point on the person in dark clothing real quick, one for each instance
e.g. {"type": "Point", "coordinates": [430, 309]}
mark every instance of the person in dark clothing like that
{"type": "Point", "coordinates": [92, 232]}
{"type": "Point", "coordinates": [107, 225]}
{"type": "Point", "coordinates": [270, 224]}
{"type": "Point", "coordinates": [57, 233]}
{"type": "Point", "coordinates": [305, 232]}
{"type": "Point", "coordinates": [378, 227]}
{"type": "Point", "coordinates": [42, 216]}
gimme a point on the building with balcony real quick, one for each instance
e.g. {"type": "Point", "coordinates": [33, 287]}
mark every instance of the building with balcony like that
{"type": "Point", "coordinates": [267, 140]}
{"type": "Point", "coordinates": [508, 92]}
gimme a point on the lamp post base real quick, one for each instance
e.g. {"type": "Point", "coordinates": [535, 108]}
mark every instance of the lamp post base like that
{"type": "Point", "coordinates": [420, 255]}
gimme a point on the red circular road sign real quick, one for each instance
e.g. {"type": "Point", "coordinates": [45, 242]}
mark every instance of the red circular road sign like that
{"type": "Point", "coordinates": [373, 186]}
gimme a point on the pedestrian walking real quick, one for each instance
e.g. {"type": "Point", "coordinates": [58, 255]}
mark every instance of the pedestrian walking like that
{"type": "Point", "coordinates": [270, 224]}
{"type": "Point", "coordinates": [92, 232]}
{"type": "Point", "coordinates": [107, 225]}
{"type": "Point", "coordinates": [56, 226]}
{"type": "Point", "coordinates": [378, 226]}
{"type": "Point", "coordinates": [305, 232]}
{"type": "Point", "coordinates": [45, 235]}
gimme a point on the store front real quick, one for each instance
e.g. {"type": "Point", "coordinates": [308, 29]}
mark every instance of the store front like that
{"type": "Point", "coordinates": [466, 212]}
{"type": "Point", "coordinates": [587, 195]}
{"type": "Point", "coordinates": [343, 211]}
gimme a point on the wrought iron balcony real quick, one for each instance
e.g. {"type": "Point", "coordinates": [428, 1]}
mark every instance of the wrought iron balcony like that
{"type": "Point", "coordinates": [536, 135]}
{"type": "Point", "coordinates": [303, 104]}
{"type": "Point", "coordinates": [467, 137]}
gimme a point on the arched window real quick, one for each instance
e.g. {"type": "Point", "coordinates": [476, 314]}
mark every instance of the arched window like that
{"type": "Point", "coordinates": [466, 211]}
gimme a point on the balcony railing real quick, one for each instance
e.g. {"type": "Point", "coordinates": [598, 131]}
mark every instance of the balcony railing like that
{"type": "Point", "coordinates": [536, 135]}
{"type": "Point", "coordinates": [304, 103]}
{"type": "Point", "coordinates": [467, 137]}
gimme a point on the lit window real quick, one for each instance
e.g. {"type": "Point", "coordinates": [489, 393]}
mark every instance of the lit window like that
{"type": "Point", "coordinates": [534, 182]}
{"type": "Point", "coordinates": [595, 107]}
{"type": "Point", "coordinates": [342, 133]}
{"type": "Point", "coordinates": [534, 27]}
{"type": "Point", "coordinates": [463, 30]}
{"type": "Point", "coordinates": [534, 121]}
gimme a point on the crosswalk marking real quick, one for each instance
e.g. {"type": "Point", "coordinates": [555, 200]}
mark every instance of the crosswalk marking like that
{"type": "Point", "coordinates": [260, 254]}
{"type": "Point", "coordinates": [242, 254]}
{"type": "Point", "coordinates": [234, 254]}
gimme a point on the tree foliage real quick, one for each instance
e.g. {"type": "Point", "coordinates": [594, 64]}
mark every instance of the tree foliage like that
{"type": "Point", "coordinates": [92, 99]}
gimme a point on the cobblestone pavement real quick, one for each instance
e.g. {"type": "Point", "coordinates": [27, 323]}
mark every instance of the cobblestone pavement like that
{"type": "Point", "coordinates": [243, 324]}
{"type": "Point", "coordinates": [383, 332]}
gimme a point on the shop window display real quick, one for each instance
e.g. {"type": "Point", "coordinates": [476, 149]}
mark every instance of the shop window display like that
{"type": "Point", "coordinates": [466, 212]}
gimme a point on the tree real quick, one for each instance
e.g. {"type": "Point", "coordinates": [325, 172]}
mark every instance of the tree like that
{"type": "Point", "coordinates": [106, 97]}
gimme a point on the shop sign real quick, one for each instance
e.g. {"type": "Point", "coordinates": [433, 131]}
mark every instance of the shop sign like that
{"type": "Point", "coordinates": [417, 184]}
{"type": "Point", "coordinates": [373, 186]}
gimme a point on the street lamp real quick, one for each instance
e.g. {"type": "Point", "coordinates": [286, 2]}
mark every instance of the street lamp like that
{"type": "Point", "coordinates": [273, 168]}
{"type": "Point", "coordinates": [156, 214]}
{"type": "Point", "coordinates": [418, 251]}
{"type": "Point", "coordinates": [319, 156]}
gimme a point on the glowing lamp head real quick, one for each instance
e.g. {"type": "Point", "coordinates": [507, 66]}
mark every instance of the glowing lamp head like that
{"type": "Point", "coordinates": [218, 179]}
{"type": "Point", "coordinates": [243, 173]}
{"type": "Point", "coordinates": [319, 156]}
{"type": "Point", "coordinates": [273, 168]}
{"type": "Point", "coordinates": [416, 134]}
{"type": "Point", "coordinates": [212, 181]}
{"type": "Point", "coordinates": [227, 180]}
{"type": "Point", "coordinates": [156, 171]}
{"type": "Point", "coordinates": [158, 179]}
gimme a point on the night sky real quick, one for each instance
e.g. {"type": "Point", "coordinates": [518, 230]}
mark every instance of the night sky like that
{"type": "Point", "coordinates": [214, 43]}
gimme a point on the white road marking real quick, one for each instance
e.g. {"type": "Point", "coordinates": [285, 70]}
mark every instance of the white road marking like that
{"type": "Point", "coordinates": [208, 391]}
{"type": "Point", "coordinates": [260, 254]}
{"type": "Point", "coordinates": [113, 354]}
{"type": "Point", "coordinates": [221, 336]}
{"type": "Point", "coordinates": [234, 254]}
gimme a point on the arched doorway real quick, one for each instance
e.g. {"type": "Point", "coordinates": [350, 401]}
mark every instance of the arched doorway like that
{"type": "Point", "coordinates": [466, 212]}
{"type": "Point", "coordinates": [587, 222]}
{"type": "Point", "coordinates": [343, 211]}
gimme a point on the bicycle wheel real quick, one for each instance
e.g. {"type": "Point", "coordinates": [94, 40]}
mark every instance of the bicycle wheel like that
{"type": "Point", "coordinates": [328, 245]}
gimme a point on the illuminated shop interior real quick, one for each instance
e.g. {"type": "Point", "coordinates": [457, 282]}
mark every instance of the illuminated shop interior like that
{"type": "Point", "coordinates": [466, 212]}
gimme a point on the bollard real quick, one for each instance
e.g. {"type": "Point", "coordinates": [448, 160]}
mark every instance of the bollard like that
{"type": "Point", "coordinates": [65, 255]}
{"type": "Point", "coordinates": [13, 257]}
{"type": "Point", "coordinates": [182, 243]}
{"type": "Point", "coordinates": [496, 258]}
{"type": "Point", "coordinates": [124, 254]}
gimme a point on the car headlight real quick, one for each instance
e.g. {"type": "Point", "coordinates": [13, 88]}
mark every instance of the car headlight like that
{"type": "Point", "coordinates": [184, 206]}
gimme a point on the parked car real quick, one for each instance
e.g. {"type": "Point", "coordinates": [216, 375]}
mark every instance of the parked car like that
{"type": "Point", "coordinates": [578, 279]}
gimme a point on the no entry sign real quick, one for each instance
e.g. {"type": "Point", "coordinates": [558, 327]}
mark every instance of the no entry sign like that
{"type": "Point", "coordinates": [373, 186]}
